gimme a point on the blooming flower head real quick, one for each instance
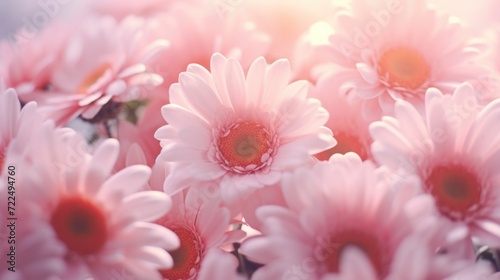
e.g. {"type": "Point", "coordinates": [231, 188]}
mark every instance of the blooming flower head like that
{"type": "Point", "coordinates": [349, 223]}
{"type": "Point", "coordinates": [93, 222]}
{"type": "Point", "coordinates": [454, 149]}
{"type": "Point", "coordinates": [103, 65]}
{"type": "Point", "coordinates": [391, 50]}
{"type": "Point", "coordinates": [242, 130]}
{"type": "Point", "coordinates": [201, 224]}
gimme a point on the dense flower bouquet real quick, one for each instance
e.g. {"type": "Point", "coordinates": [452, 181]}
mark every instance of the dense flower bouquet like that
{"type": "Point", "coordinates": [251, 139]}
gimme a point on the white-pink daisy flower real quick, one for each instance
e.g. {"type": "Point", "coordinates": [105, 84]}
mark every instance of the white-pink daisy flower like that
{"type": "Point", "coordinates": [244, 130]}
{"type": "Point", "coordinates": [103, 65]}
{"type": "Point", "coordinates": [349, 223]}
{"type": "Point", "coordinates": [455, 150]}
{"type": "Point", "coordinates": [101, 220]}
{"type": "Point", "coordinates": [389, 50]}
{"type": "Point", "coordinates": [201, 224]}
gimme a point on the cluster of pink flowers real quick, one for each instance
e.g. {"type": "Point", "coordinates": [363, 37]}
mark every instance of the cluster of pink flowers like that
{"type": "Point", "coordinates": [252, 139]}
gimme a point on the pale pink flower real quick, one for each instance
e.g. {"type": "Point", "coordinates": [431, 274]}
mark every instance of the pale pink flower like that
{"type": "Point", "coordinates": [396, 50]}
{"type": "Point", "coordinates": [103, 65]}
{"type": "Point", "coordinates": [244, 130]}
{"type": "Point", "coordinates": [349, 223]}
{"type": "Point", "coordinates": [99, 219]}
{"type": "Point", "coordinates": [348, 126]}
{"type": "Point", "coordinates": [455, 150]}
{"type": "Point", "coordinates": [201, 224]}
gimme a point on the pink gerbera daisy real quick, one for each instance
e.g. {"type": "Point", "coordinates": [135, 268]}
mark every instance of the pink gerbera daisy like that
{"type": "Point", "coordinates": [201, 224]}
{"type": "Point", "coordinates": [98, 222]}
{"type": "Point", "coordinates": [396, 50]}
{"type": "Point", "coordinates": [103, 65]}
{"type": "Point", "coordinates": [242, 130]}
{"type": "Point", "coordinates": [455, 150]}
{"type": "Point", "coordinates": [347, 224]}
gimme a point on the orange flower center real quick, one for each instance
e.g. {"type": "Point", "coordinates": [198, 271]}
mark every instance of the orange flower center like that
{"type": "Point", "coordinates": [80, 224]}
{"type": "Point", "coordinates": [404, 67]}
{"type": "Point", "coordinates": [244, 144]}
{"type": "Point", "coordinates": [187, 258]}
{"type": "Point", "coordinates": [92, 78]}
{"type": "Point", "coordinates": [456, 190]}
{"type": "Point", "coordinates": [362, 240]}
{"type": "Point", "coordinates": [345, 143]}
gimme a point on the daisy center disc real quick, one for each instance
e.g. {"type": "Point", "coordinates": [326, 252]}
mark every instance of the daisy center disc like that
{"type": "Point", "coordinates": [367, 243]}
{"type": "Point", "coordinates": [404, 67]}
{"type": "Point", "coordinates": [244, 144]}
{"type": "Point", "coordinates": [345, 143]}
{"type": "Point", "coordinates": [92, 78]}
{"type": "Point", "coordinates": [80, 224]}
{"type": "Point", "coordinates": [187, 258]}
{"type": "Point", "coordinates": [456, 190]}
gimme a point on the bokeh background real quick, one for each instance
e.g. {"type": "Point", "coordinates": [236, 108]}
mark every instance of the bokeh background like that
{"type": "Point", "coordinates": [13, 11]}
